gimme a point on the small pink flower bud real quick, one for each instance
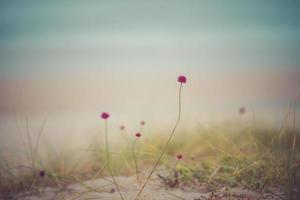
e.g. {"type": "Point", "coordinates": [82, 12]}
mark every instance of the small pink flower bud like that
{"type": "Point", "coordinates": [181, 79]}
{"type": "Point", "coordinates": [138, 135]}
{"type": "Point", "coordinates": [104, 115]}
{"type": "Point", "coordinates": [242, 110]}
{"type": "Point", "coordinates": [179, 157]}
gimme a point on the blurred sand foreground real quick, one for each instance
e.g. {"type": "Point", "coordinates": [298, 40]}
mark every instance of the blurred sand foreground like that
{"type": "Point", "coordinates": [103, 188]}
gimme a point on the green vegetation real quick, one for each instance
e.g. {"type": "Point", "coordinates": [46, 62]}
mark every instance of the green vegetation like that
{"type": "Point", "coordinates": [257, 159]}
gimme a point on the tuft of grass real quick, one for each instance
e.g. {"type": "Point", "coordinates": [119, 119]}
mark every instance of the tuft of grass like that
{"type": "Point", "coordinates": [256, 159]}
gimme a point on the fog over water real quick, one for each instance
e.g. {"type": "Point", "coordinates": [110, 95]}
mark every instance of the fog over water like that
{"type": "Point", "coordinates": [72, 107]}
{"type": "Point", "coordinates": [70, 61]}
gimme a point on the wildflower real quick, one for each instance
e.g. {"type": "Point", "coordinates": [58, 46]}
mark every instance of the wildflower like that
{"type": "Point", "coordinates": [104, 115]}
{"type": "Point", "coordinates": [112, 190]}
{"type": "Point", "coordinates": [135, 156]}
{"type": "Point", "coordinates": [179, 157]}
{"type": "Point", "coordinates": [181, 79]}
{"type": "Point", "coordinates": [242, 110]}
{"type": "Point", "coordinates": [138, 135]}
{"type": "Point", "coordinates": [42, 173]}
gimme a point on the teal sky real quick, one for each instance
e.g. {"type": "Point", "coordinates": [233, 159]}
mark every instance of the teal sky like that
{"type": "Point", "coordinates": [39, 38]}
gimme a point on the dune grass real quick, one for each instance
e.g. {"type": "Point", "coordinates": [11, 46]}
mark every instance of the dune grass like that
{"type": "Point", "coordinates": [253, 158]}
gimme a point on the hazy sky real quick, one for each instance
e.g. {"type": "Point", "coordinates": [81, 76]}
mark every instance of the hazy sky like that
{"type": "Point", "coordinates": [124, 57]}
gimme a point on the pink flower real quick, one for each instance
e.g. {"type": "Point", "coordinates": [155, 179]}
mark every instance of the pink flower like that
{"type": "Point", "coordinates": [42, 173]}
{"type": "Point", "coordinates": [104, 115]}
{"type": "Point", "coordinates": [138, 135]}
{"type": "Point", "coordinates": [242, 110]}
{"type": "Point", "coordinates": [181, 79]}
{"type": "Point", "coordinates": [179, 157]}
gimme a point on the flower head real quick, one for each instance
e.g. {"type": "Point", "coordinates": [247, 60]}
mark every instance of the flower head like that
{"type": "Point", "coordinates": [42, 173]}
{"type": "Point", "coordinates": [112, 190]}
{"type": "Point", "coordinates": [181, 79]}
{"type": "Point", "coordinates": [143, 123]}
{"type": "Point", "coordinates": [138, 135]}
{"type": "Point", "coordinates": [179, 157]}
{"type": "Point", "coordinates": [104, 115]}
{"type": "Point", "coordinates": [242, 110]}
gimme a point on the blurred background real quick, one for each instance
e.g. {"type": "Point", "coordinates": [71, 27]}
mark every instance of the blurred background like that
{"type": "Point", "coordinates": [64, 62]}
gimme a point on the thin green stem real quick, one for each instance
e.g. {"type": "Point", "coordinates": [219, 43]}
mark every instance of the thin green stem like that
{"type": "Point", "coordinates": [109, 164]}
{"type": "Point", "coordinates": [165, 147]}
{"type": "Point", "coordinates": [135, 160]}
{"type": "Point", "coordinates": [36, 146]}
{"type": "Point", "coordinates": [20, 131]}
{"type": "Point", "coordinates": [174, 168]}
{"type": "Point", "coordinates": [30, 145]}
{"type": "Point", "coordinates": [294, 128]}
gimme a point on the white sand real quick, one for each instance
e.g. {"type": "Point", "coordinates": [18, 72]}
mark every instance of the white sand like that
{"type": "Point", "coordinates": [103, 188]}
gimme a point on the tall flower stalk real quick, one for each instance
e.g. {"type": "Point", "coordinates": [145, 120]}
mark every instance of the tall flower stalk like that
{"type": "Point", "coordinates": [178, 158]}
{"type": "Point", "coordinates": [135, 157]}
{"type": "Point", "coordinates": [142, 126]}
{"type": "Point", "coordinates": [181, 79]}
{"type": "Point", "coordinates": [105, 116]}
